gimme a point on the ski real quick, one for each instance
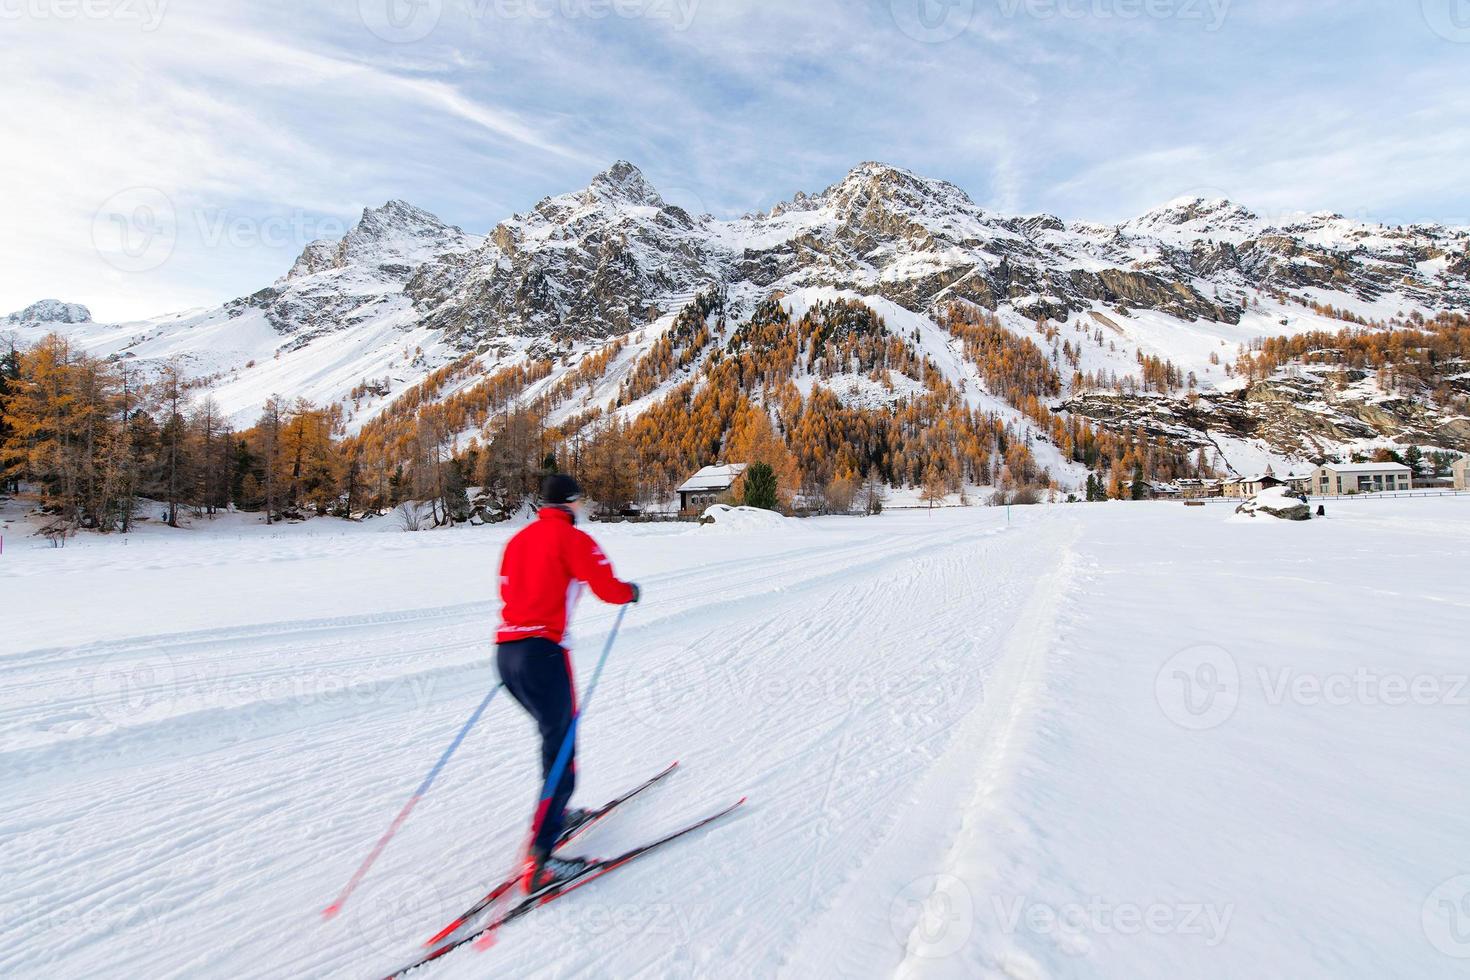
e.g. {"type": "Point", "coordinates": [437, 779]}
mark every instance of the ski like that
{"type": "Point", "coordinates": [595, 818]}
{"type": "Point", "coordinates": [550, 893]}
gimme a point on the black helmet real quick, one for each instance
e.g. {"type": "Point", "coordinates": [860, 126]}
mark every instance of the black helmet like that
{"type": "Point", "coordinates": [558, 488]}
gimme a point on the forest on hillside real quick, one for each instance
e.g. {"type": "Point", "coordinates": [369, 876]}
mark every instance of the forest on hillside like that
{"type": "Point", "coordinates": [91, 438]}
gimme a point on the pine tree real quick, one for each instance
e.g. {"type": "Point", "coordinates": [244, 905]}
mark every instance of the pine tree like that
{"type": "Point", "coordinates": [1414, 460]}
{"type": "Point", "coordinates": [176, 456]}
{"type": "Point", "coordinates": [760, 486]}
{"type": "Point", "coordinates": [9, 379]}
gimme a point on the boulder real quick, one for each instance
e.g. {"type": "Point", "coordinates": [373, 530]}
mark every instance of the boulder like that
{"type": "Point", "coordinates": [1279, 502]}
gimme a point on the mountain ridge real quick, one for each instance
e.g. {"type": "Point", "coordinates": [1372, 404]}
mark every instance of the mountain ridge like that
{"type": "Point", "coordinates": [402, 293]}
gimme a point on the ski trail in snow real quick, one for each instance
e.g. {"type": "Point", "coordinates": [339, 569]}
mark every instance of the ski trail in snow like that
{"type": "Point", "coordinates": [821, 677]}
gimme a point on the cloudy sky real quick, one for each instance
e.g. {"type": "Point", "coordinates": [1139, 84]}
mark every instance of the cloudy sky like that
{"type": "Point", "coordinates": [242, 130]}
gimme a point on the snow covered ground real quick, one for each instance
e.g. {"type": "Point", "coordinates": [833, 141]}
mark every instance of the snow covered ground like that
{"type": "Point", "coordinates": [1120, 740]}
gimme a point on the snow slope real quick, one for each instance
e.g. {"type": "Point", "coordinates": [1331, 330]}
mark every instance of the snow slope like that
{"type": "Point", "coordinates": [953, 731]}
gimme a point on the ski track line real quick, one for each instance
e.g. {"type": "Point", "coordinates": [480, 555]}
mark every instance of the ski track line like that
{"type": "Point", "coordinates": [1022, 676]}
{"type": "Point", "coordinates": [852, 932]}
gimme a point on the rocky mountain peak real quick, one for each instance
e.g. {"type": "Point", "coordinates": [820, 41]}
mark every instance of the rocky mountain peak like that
{"type": "Point", "coordinates": [623, 183]}
{"type": "Point", "coordinates": [1197, 213]}
{"type": "Point", "coordinates": [397, 234]}
{"type": "Point", "coordinates": [51, 311]}
{"type": "Point", "coordinates": [881, 181]}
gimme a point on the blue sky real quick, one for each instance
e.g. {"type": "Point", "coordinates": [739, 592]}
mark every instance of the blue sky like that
{"type": "Point", "coordinates": [247, 129]}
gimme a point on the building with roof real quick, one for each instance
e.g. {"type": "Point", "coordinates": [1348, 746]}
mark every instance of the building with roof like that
{"type": "Point", "coordinates": [709, 486]}
{"type": "Point", "coordinates": [1332, 479]}
{"type": "Point", "coordinates": [1194, 489]}
{"type": "Point", "coordinates": [1249, 486]}
{"type": "Point", "coordinates": [1460, 469]}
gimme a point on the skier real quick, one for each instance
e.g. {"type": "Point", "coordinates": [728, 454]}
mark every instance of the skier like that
{"type": "Point", "coordinates": [542, 574]}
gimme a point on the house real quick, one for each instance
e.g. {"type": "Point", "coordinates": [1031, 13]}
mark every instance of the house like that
{"type": "Point", "coordinates": [1461, 471]}
{"type": "Point", "coordinates": [1249, 486]}
{"type": "Point", "coordinates": [708, 486]}
{"type": "Point", "coordinates": [1332, 479]}
{"type": "Point", "coordinates": [1193, 489]}
{"type": "Point", "coordinates": [1155, 490]}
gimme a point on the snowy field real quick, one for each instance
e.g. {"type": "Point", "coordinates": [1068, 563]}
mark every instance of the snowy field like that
{"type": "Point", "coordinates": [1121, 740]}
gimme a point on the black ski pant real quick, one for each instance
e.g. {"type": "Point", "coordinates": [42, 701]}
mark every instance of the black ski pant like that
{"type": "Point", "coordinates": [538, 674]}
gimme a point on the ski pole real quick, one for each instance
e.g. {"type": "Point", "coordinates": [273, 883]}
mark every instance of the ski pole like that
{"type": "Point", "coordinates": [563, 756]}
{"type": "Point", "coordinates": [331, 910]}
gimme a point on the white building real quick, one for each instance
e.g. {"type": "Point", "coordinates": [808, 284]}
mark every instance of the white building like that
{"type": "Point", "coordinates": [708, 486]}
{"type": "Point", "coordinates": [1461, 471]}
{"type": "Point", "coordinates": [1332, 479]}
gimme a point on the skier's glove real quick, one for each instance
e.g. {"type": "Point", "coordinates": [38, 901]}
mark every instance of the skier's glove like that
{"type": "Point", "coordinates": [637, 592]}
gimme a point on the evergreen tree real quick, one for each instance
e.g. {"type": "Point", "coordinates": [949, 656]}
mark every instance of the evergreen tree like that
{"type": "Point", "coordinates": [9, 378]}
{"type": "Point", "coordinates": [760, 486]}
{"type": "Point", "coordinates": [1414, 460]}
{"type": "Point", "coordinates": [1139, 489]}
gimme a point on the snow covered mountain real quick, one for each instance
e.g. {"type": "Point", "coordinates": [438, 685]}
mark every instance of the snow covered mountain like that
{"type": "Point", "coordinates": [49, 311]}
{"type": "Point", "coordinates": [403, 293]}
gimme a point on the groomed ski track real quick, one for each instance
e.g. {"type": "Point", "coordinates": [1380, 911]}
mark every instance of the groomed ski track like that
{"type": "Point", "coordinates": [860, 684]}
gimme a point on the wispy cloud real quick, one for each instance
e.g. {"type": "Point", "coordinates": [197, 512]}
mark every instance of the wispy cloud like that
{"type": "Point", "coordinates": [273, 108]}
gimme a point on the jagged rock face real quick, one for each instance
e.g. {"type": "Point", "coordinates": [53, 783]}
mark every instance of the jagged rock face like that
{"type": "Point", "coordinates": [50, 311]}
{"type": "Point", "coordinates": [335, 284]}
{"type": "Point", "coordinates": [590, 264]}
{"type": "Point", "coordinates": [614, 256]}
{"type": "Point", "coordinates": [1307, 416]}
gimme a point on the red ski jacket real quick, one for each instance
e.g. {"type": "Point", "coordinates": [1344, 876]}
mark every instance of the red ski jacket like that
{"type": "Point", "coordinates": [542, 573]}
